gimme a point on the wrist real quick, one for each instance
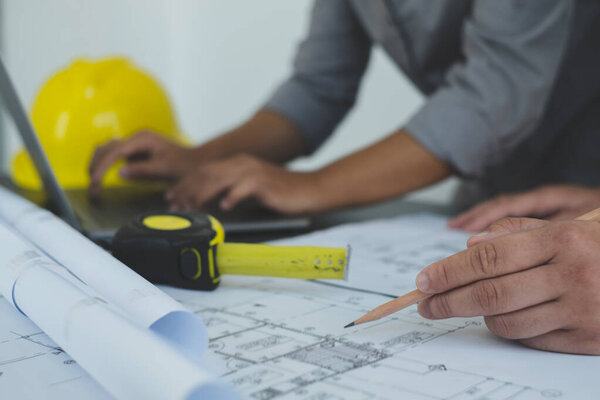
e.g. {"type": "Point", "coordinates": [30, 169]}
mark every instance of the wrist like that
{"type": "Point", "coordinates": [210, 151]}
{"type": "Point", "coordinates": [322, 192]}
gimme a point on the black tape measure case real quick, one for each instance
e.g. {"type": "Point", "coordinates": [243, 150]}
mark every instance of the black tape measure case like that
{"type": "Point", "coordinates": [173, 248]}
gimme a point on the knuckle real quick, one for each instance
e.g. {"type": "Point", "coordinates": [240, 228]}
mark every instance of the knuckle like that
{"type": "Point", "coordinates": [503, 199]}
{"type": "Point", "coordinates": [569, 234]}
{"type": "Point", "coordinates": [252, 183]}
{"type": "Point", "coordinates": [442, 274]}
{"type": "Point", "coordinates": [244, 159]}
{"type": "Point", "coordinates": [256, 168]}
{"type": "Point", "coordinates": [200, 172]}
{"type": "Point", "coordinates": [441, 307]}
{"type": "Point", "coordinates": [506, 224]}
{"type": "Point", "coordinates": [502, 326]}
{"type": "Point", "coordinates": [484, 259]}
{"type": "Point", "coordinates": [562, 192]}
{"type": "Point", "coordinates": [584, 274]}
{"type": "Point", "coordinates": [486, 295]}
{"type": "Point", "coordinates": [260, 169]}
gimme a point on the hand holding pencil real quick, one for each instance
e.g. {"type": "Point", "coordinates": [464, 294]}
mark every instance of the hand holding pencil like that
{"type": "Point", "coordinates": [532, 280]}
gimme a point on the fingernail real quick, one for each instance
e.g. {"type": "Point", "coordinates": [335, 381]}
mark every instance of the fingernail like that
{"type": "Point", "coordinates": [480, 234]}
{"type": "Point", "coordinates": [422, 282]}
{"type": "Point", "coordinates": [224, 205]}
{"type": "Point", "coordinates": [124, 172]}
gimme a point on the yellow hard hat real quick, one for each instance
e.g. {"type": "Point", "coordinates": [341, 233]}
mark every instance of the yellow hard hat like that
{"type": "Point", "coordinates": [88, 104]}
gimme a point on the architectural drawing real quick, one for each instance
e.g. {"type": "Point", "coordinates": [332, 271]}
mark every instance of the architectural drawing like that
{"type": "Point", "coordinates": [274, 339]}
{"type": "Point", "coordinates": [33, 367]}
{"type": "Point", "coordinates": [284, 339]}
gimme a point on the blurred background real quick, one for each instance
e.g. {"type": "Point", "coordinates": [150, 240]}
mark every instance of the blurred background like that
{"type": "Point", "coordinates": [218, 60]}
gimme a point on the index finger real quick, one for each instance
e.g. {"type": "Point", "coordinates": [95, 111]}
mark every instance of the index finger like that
{"type": "Point", "coordinates": [506, 226]}
{"type": "Point", "coordinates": [482, 215]}
{"type": "Point", "coordinates": [496, 257]}
{"type": "Point", "coordinates": [123, 149]}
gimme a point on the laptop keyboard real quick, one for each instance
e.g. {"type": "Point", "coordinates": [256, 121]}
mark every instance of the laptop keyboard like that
{"type": "Point", "coordinates": [114, 206]}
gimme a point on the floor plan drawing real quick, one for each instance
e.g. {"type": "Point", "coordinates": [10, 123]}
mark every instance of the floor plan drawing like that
{"type": "Point", "coordinates": [276, 338]}
{"type": "Point", "coordinates": [34, 367]}
{"type": "Point", "coordinates": [387, 255]}
{"type": "Point", "coordinates": [302, 351]}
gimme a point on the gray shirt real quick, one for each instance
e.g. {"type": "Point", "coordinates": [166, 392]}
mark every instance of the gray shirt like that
{"type": "Point", "coordinates": [487, 66]}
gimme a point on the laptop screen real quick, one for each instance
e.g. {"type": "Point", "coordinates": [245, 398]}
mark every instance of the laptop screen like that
{"type": "Point", "coordinates": [16, 111]}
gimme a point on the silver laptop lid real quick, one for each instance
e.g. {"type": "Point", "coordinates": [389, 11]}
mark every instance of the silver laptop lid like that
{"type": "Point", "coordinates": [15, 109]}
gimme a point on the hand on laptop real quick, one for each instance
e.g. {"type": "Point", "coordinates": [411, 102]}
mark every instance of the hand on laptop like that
{"type": "Point", "coordinates": [244, 176]}
{"type": "Point", "coordinates": [147, 156]}
{"type": "Point", "coordinates": [556, 202]}
{"type": "Point", "coordinates": [532, 280]}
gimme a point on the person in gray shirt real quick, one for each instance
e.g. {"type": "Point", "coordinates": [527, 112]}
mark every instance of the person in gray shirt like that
{"type": "Point", "coordinates": [487, 67]}
{"type": "Point", "coordinates": [513, 101]}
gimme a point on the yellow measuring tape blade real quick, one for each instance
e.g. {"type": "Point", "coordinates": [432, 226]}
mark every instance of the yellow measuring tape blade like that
{"type": "Point", "coordinates": [303, 262]}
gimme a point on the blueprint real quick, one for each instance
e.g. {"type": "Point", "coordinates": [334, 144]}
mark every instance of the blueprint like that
{"type": "Point", "coordinates": [122, 330]}
{"type": "Point", "coordinates": [142, 302]}
{"type": "Point", "coordinates": [284, 339]}
{"type": "Point", "coordinates": [32, 366]}
{"type": "Point", "coordinates": [387, 255]}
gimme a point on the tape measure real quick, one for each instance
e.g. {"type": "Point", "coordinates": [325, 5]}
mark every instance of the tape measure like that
{"type": "Point", "coordinates": [187, 249]}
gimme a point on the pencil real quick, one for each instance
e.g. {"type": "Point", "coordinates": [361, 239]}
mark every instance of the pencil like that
{"type": "Point", "coordinates": [416, 295]}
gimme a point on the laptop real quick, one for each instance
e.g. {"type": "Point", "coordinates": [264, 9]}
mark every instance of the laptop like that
{"type": "Point", "coordinates": [99, 218]}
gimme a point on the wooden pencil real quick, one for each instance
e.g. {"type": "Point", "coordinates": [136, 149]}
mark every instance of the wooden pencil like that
{"type": "Point", "coordinates": [416, 295]}
{"type": "Point", "coordinates": [391, 307]}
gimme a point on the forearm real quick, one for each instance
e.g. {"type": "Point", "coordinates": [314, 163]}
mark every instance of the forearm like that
{"type": "Point", "coordinates": [391, 167]}
{"type": "Point", "coordinates": [267, 135]}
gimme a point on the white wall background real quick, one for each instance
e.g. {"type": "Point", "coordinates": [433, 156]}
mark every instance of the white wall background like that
{"type": "Point", "coordinates": [218, 59]}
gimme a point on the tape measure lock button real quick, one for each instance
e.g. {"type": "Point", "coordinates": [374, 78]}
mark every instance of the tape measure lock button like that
{"type": "Point", "coordinates": [190, 264]}
{"type": "Point", "coordinates": [166, 222]}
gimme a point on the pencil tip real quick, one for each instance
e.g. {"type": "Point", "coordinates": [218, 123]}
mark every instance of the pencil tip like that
{"type": "Point", "coordinates": [349, 325]}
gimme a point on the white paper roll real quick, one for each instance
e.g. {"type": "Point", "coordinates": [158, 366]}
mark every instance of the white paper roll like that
{"type": "Point", "coordinates": [143, 302]}
{"type": "Point", "coordinates": [129, 361]}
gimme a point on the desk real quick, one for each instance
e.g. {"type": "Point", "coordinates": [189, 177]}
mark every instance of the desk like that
{"type": "Point", "coordinates": [388, 209]}
{"type": "Point", "coordinates": [284, 339]}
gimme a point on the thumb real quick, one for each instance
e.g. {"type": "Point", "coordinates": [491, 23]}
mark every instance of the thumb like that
{"type": "Point", "coordinates": [505, 226]}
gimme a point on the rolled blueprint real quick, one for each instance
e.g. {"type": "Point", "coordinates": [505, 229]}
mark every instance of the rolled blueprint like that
{"type": "Point", "coordinates": [142, 302]}
{"type": "Point", "coordinates": [131, 362]}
